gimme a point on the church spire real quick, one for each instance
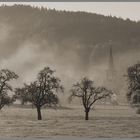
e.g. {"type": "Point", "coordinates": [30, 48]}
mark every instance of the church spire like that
{"type": "Point", "coordinates": [111, 69]}
{"type": "Point", "coordinates": [111, 63]}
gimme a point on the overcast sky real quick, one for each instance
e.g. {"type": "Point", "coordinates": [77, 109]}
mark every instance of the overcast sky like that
{"type": "Point", "coordinates": [120, 9]}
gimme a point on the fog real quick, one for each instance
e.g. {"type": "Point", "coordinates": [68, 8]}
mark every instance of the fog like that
{"type": "Point", "coordinates": [71, 61]}
{"type": "Point", "coordinates": [30, 57]}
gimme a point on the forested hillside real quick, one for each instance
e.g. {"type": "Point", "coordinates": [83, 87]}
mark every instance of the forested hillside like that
{"type": "Point", "coordinates": [60, 26]}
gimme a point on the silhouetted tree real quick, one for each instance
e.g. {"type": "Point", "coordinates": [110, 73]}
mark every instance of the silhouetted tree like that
{"type": "Point", "coordinates": [44, 90]}
{"type": "Point", "coordinates": [5, 77]}
{"type": "Point", "coordinates": [133, 74]}
{"type": "Point", "coordinates": [88, 93]}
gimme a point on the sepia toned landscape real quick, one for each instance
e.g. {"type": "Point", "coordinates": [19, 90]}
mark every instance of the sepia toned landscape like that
{"type": "Point", "coordinates": [68, 74]}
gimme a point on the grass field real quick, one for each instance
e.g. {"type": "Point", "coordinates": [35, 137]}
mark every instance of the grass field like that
{"type": "Point", "coordinates": [105, 121]}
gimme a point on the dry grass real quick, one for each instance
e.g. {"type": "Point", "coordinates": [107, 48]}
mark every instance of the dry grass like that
{"type": "Point", "coordinates": [106, 121]}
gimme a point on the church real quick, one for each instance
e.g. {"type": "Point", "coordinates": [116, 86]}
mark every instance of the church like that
{"type": "Point", "coordinates": [113, 80]}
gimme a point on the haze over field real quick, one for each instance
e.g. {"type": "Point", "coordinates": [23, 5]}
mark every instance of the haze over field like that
{"type": "Point", "coordinates": [75, 44]}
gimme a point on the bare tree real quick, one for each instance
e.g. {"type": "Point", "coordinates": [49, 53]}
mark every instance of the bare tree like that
{"type": "Point", "coordinates": [88, 93]}
{"type": "Point", "coordinates": [44, 90]}
{"type": "Point", "coordinates": [5, 77]}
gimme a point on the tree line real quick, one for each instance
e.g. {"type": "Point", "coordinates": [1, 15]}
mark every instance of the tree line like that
{"type": "Point", "coordinates": [44, 90]}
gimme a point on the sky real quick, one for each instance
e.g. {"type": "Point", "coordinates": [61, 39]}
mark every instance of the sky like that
{"type": "Point", "coordinates": [124, 10]}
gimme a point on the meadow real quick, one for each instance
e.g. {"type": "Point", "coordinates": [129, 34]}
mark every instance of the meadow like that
{"type": "Point", "coordinates": [105, 121]}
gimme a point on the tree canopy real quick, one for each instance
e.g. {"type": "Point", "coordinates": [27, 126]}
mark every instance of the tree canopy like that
{"type": "Point", "coordinates": [43, 91]}
{"type": "Point", "coordinates": [5, 77]}
{"type": "Point", "coordinates": [89, 93]}
{"type": "Point", "coordinates": [133, 74]}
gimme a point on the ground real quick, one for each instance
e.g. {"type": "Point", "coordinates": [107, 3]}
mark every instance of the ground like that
{"type": "Point", "coordinates": [105, 121]}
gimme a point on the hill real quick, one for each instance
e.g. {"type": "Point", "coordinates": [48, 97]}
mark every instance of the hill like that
{"type": "Point", "coordinates": [73, 43]}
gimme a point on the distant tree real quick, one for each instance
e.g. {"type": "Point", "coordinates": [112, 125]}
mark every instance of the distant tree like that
{"type": "Point", "coordinates": [5, 77]}
{"type": "Point", "coordinates": [88, 93]}
{"type": "Point", "coordinates": [44, 90]}
{"type": "Point", "coordinates": [22, 94]}
{"type": "Point", "coordinates": [133, 95]}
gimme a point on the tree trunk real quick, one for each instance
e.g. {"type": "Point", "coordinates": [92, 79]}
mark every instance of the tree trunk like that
{"type": "Point", "coordinates": [87, 114]}
{"type": "Point", "coordinates": [138, 110]}
{"type": "Point", "coordinates": [39, 113]}
{"type": "Point", "coordinates": [22, 102]}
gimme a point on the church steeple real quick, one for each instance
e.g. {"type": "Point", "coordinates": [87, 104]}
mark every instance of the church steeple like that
{"type": "Point", "coordinates": [111, 63]}
{"type": "Point", "coordinates": [111, 69]}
